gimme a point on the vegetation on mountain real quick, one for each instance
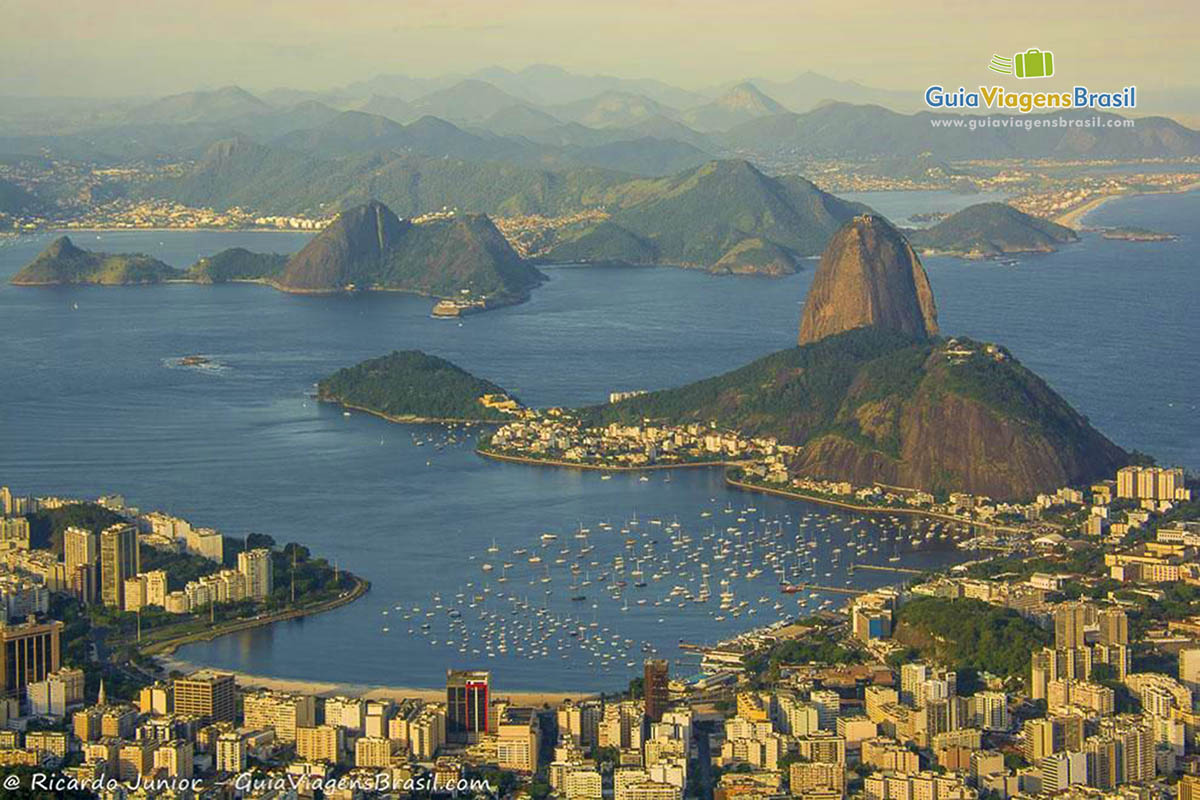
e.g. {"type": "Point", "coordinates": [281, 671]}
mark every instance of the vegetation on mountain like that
{"type": "Point", "coordinates": [411, 384]}
{"type": "Point", "coordinates": [371, 248]}
{"type": "Point", "coordinates": [874, 405]}
{"type": "Point", "coordinates": [991, 229]}
{"type": "Point", "coordinates": [237, 264]}
{"type": "Point", "coordinates": [697, 217]}
{"type": "Point", "coordinates": [62, 262]}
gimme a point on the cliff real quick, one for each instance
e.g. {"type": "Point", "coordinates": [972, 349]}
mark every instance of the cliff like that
{"type": "Point", "coordinates": [868, 276]}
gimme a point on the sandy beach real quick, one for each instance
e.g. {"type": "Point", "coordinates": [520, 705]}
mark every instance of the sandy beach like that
{"type": "Point", "coordinates": [329, 688]}
{"type": "Point", "coordinates": [1074, 218]}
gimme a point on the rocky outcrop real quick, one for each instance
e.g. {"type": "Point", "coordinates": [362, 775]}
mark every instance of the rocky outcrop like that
{"type": "Point", "coordinates": [869, 276]}
{"type": "Point", "coordinates": [369, 247]}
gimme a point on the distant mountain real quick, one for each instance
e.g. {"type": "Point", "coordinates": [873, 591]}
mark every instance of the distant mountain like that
{"type": "Point", "coordinates": [741, 103]}
{"type": "Point", "coordinates": [809, 89]}
{"type": "Point", "coordinates": [521, 120]}
{"type": "Point", "coordinates": [394, 108]}
{"type": "Point", "coordinates": [842, 130]}
{"type": "Point", "coordinates": [549, 85]}
{"type": "Point", "coordinates": [612, 109]}
{"type": "Point", "coordinates": [217, 105]}
{"type": "Point", "coordinates": [868, 276]}
{"type": "Point", "coordinates": [466, 101]}
{"type": "Point", "coordinates": [356, 133]}
{"type": "Point", "coordinates": [724, 213]}
{"type": "Point", "coordinates": [411, 385]}
{"type": "Point", "coordinates": [276, 122]}
{"type": "Point", "coordinates": [277, 180]}
{"type": "Point", "coordinates": [63, 263]}
{"type": "Point", "coordinates": [237, 264]}
{"type": "Point", "coordinates": [992, 229]}
{"type": "Point", "coordinates": [370, 248]}
{"type": "Point", "coordinates": [646, 156]}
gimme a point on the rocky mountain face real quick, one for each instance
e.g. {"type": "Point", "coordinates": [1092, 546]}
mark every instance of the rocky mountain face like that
{"type": "Point", "coordinates": [369, 247]}
{"type": "Point", "coordinates": [868, 276]}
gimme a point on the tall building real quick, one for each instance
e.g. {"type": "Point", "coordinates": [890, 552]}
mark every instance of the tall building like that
{"type": "Point", "coordinates": [206, 694]}
{"type": "Point", "coordinates": [231, 753]}
{"type": "Point", "coordinates": [81, 552]}
{"type": "Point", "coordinates": [119, 559]}
{"type": "Point", "coordinates": [283, 712]}
{"type": "Point", "coordinates": [1189, 668]}
{"type": "Point", "coordinates": [79, 547]}
{"type": "Point", "coordinates": [656, 676]}
{"type": "Point", "coordinates": [1114, 626]}
{"type": "Point", "coordinates": [28, 653]}
{"type": "Point", "coordinates": [467, 697]}
{"type": "Point", "coordinates": [320, 743]}
{"type": "Point", "coordinates": [255, 565]}
{"type": "Point", "coordinates": [1069, 622]}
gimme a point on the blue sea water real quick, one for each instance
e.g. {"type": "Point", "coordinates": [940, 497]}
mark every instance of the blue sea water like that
{"type": "Point", "coordinates": [91, 401]}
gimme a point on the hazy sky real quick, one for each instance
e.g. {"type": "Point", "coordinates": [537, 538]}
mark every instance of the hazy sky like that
{"type": "Point", "coordinates": [94, 47]}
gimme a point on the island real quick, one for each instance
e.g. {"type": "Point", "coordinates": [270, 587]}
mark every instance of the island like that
{"type": "Point", "coordinates": [461, 260]}
{"type": "Point", "coordinates": [990, 230]}
{"type": "Point", "coordinates": [412, 386]}
{"type": "Point", "coordinates": [1135, 234]}
{"type": "Point", "coordinates": [64, 263]}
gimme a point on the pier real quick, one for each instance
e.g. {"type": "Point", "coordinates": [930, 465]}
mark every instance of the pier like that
{"type": "Point", "coordinates": [885, 568]}
{"type": "Point", "coordinates": [793, 588]}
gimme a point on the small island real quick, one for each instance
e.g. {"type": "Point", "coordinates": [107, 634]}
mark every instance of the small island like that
{"type": "Point", "coordinates": [412, 386]}
{"type": "Point", "coordinates": [990, 230]}
{"type": "Point", "coordinates": [1132, 234]}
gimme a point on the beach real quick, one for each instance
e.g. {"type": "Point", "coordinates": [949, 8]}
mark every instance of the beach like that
{"type": "Point", "coordinates": [333, 688]}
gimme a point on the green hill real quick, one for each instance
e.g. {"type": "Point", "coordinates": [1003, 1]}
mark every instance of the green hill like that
{"type": "Point", "coordinates": [63, 262]}
{"type": "Point", "coordinates": [411, 384]}
{"type": "Point", "coordinates": [991, 229]}
{"type": "Point", "coordinates": [371, 248]}
{"type": "Point", "coordinates": [237, 264]}
{"type": "Point", "coordinates": [704, 216]}
{"type": "Point", "coordinates": [871, 405]}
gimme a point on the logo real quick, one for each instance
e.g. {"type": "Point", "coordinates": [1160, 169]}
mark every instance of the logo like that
{"type": "Point", "coordinates": [1033, 63]}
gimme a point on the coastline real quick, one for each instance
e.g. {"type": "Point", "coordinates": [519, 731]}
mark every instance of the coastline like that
{"type": "Point", "coordinates": [1074, 218]}
{"type": "Point", "coordinates": [409, 420]}
{"type": "Point", "coordinates": [368, 691]}
{"type": "Point", "coordinates": [545, 462]}
{"type": "Point", "coordinates": [159, 650]}
{"type": "Point", "coordinates": [912, 512]}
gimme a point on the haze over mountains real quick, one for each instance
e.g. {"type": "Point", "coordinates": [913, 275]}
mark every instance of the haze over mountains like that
{"type": "Point", "coordinates": [551, 117]}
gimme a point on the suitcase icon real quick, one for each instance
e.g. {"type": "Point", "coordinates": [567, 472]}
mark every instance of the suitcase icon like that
{"type": "Point", "coordinates": [1034, 63]}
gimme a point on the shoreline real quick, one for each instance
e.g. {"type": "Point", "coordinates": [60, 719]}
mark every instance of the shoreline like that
{"type": "Point", "coordinates": [914, 512]}
{"type": "Point", "coordinates": [545, 462]}
{"type": "Point", "coordinates": [319, 688]}
{"type": "Point", "coordinates": [1075, 217]}
{"type": "Point", "coordinates": [410, 420]}
{"type": "Point", "coordinates": [167, 647]}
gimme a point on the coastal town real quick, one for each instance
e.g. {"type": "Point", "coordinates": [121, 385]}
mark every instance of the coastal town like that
{"type": "Point", "coordinates": [1066, 666]}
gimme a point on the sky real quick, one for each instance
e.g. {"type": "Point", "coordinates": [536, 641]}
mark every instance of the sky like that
{"type": "Point", "coordinates": [121, 48]}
